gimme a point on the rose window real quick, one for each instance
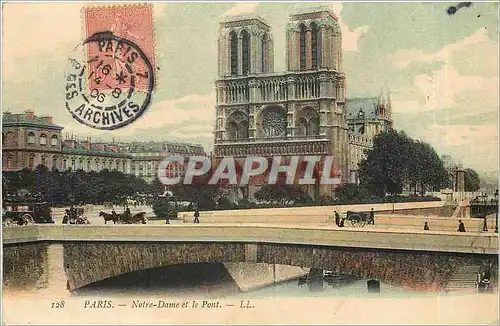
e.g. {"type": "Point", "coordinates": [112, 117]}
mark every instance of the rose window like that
{"type": "Point", "coordinates": [273, 122]}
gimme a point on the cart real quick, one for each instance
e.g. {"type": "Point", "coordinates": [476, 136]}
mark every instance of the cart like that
{"type": "Point", "coordinates": [24, 213]}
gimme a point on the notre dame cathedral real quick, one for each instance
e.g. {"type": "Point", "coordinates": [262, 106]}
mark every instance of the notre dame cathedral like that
{"type": "Point", "coordinates": [302, 111]}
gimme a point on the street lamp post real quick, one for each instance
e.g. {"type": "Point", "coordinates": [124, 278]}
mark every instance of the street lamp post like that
{"type": "Point", "coordinates": [496, 214]}
{"type": "Point", "coordinates": [485, 211]}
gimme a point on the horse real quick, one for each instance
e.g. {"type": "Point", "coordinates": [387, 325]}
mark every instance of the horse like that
{"type": "Point", "coordinates": [109, 217]}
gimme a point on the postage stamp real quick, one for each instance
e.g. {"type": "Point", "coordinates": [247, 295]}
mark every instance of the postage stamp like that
{"type": "Point", "coordinates": [110, 77]}
{"type": "Point", "coordinates": [131, 22]}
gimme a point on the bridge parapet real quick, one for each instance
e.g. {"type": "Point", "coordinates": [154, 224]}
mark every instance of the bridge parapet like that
{"type": "Point", "coordinates": [318, 212]}
{"type": "Point", "coordinates": [322, 235]}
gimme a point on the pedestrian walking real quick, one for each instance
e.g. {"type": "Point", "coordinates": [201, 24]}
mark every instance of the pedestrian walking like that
{"type": "Point", "coordinates": [461, 226]}
{"type": "Point", "coordinates": [372, 217]}
{"type": "Point", "coordinates": [196, 216]}
{"type": "Point", "coordinates": [337, 218]}
{"type": "Point", "coordinates": [66, 217]}
{"type": "Point", "coordinates": [426, 226]}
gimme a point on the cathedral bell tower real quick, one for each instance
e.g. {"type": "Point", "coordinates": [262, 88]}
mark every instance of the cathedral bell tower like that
{"type": "Point", "coordinates": [245, 47]}
{"type": "Point", "coordinates": [314, 42]}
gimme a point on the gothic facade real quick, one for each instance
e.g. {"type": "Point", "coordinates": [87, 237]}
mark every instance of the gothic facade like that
{"type": "Point", "coordinates": [302, 111]}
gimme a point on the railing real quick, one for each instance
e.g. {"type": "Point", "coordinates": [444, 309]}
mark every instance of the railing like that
{"type": "Point", "coordinates": [270, 139]}
{"type": "Point", "coordinates": [271, 88]}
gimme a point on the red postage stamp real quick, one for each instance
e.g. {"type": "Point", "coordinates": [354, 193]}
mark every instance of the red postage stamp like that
{"type": "Point", "coordinates": [133, 23]}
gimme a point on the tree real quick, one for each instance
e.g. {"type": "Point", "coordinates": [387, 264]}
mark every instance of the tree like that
{"type": "Point", "coordinates": [426, 169]}
{"type": "Point", "coordinates": [396, 161]}
{"type": "Point", "coordinates": [282, 194]}
{"type": "Point", "coordinates": [205, 196]}
{"type": "Point", "coordinates": [161, 207]}
{"type": "Point", "coordinates": [471, 180]}
{"type": "Point", "coordinates": [351, 194]}
{"type": "Point", "coordinates": [157, 187]}
{"type": "Point", "coordinates": [75, 187]}
{"type": "Point", "coordinates": [385, 169]}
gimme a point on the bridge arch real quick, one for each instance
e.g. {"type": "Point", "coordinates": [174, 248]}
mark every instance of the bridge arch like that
{"type": "Point", "coordinates": [87, 263]}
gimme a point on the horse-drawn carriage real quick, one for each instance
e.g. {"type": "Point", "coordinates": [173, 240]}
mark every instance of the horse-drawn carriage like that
{"type": "Point", "coordinates": [24, 213]}
{"type": "Point", "coordinates": [355, 219]}
{"type": "Point", "coordinates": [126, 217]}
{"type": "Point", "coordinates": [358, 219]}
{"type": "Point", "coordinates": [75, 215]}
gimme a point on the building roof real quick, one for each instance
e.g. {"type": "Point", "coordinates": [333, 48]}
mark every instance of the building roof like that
{"type": "Point", "coordinates": [316, 12]}
{"type": "Point", "coordinates": [244, 20]}
{"type": "Point", "coordinates": [359, 106]}
{"type": "Point", "coordinates": [26, 120]}
{"type": "Point", "coordinates": [138, 147]}
{"type": "Point", "coordinates": [94, 150]}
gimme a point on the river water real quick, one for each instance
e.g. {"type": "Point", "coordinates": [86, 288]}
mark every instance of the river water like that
{"type": "Point", "coordinates": [212, 280]}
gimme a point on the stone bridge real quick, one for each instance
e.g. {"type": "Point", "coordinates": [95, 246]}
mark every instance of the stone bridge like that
{"type": "Point", "coordinates": [61, 258]}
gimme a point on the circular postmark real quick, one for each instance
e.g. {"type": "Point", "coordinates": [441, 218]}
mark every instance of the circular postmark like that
{"type": "Point", "coordinates": [109, 82]}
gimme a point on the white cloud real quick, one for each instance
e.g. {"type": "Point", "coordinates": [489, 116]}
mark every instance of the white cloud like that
{"type": "Point", "coordinates": [242, 8]}
{"type": "Point", "coordinates": [404, 58]}
{"type": "Point", "coordinates": [159, 9]}
{"type": "Point", "coordinates": [171, 115]}
{"type": "Point", "coordinates": [349, 38]}
{"type": "Point", "coordinates": [475, 146]}
{"type": "Point", "coordinates": [36, 29]}
{"type": "Point", "coordinates": [447, 88]}
{"type": "Point", "coordinates": [440, 90]}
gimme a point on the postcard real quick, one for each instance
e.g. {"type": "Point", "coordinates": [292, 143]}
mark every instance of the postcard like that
{"type": "Point", "coordinates": [249, 163]}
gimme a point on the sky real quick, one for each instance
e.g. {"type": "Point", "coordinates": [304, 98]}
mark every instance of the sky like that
{"type": "Point", "coordinates": [442, 70]}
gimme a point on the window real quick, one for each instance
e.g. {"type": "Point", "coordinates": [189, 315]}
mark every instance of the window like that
{"type": "Point", "coordinates": [242, 130]}
{"type": "Point", "coordinates": [232, 130]}
{"type": "Point", "coordinates": [312, 128]}
{"type": "Point", "coordinates": [245, 52]}
{"type": "Point", "coordinates": [31, 161]}
{"type": "Point", "coordinates": [302, 47]}
{"type": "Point", "coordinates": [31, 138]}
{"type": "Point", "coordinates": [54, 141]}
{"type": "Point", "coordinates": [302, 127]}
{"type": "Point", "coordinates": [264, 52]}
{"type": "Point", "coordinates": [123, 166]}
{"type": "Point", "coordinates": [43, 139]}
{"type": "Point", "coordinates": [10, 160]}
{"type": "Point", "coordinates": [10, 141]}
{"type": "Point", "coordinates": [314, 45]}
{"type": "Point", "coordinates": [54, 163]}
{"type": "Point", "coordinates": [234, 54]}
{"type": "Point", "coordinates": [73, 164]}
{"type": "Point", "coordinates": [44, 161]}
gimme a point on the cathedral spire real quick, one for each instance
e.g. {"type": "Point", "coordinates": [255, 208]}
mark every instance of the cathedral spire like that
{"type": "Point", "coordinates": [388, 111]}
{"type": "Point", "coordinates": [382, 98]}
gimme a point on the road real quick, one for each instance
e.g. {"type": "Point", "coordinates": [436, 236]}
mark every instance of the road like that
{"type": "Point", "coordinates": [383, 222]}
